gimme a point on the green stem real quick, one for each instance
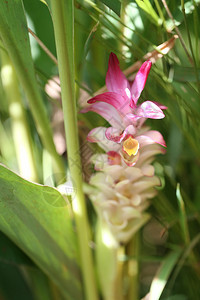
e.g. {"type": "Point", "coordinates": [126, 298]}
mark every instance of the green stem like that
{"type": "Point", "coordinates": [109, 267]}
{"type": "Point", "coordinates": [133, 252]}
{"type": "Point", "coordinates": [63, 21]}
{"type": "Point", "coordinates": [20, 129]}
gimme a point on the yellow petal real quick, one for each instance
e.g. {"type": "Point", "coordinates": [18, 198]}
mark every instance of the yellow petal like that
{"type": "Point", "coordinates": [131, 146]}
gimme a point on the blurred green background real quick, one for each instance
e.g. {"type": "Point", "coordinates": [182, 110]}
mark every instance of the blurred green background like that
{"type": "Point", "coordinates": [130, 29]}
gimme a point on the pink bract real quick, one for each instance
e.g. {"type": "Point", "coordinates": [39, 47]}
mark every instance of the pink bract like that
{"type": "Point", "coordinates": [119, 107]}
{"type": "Point", "coordinates": [120, 102]}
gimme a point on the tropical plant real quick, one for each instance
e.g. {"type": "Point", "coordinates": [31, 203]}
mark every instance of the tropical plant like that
{"type": "Point", "coordinates": [89, 209]}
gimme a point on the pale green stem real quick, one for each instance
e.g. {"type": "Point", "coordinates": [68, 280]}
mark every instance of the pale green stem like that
{"type": "Point", "coordinates": [109, 267]}
{"type": "Point", "coordinates": [63, 21]}
{"type": "Point", "coordinates": [133, 268]}
{"type": "Point", "coordinates": [20, 129]}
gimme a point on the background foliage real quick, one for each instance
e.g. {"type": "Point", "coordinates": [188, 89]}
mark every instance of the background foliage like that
{"type": "Point", "coordinates": [170, 241]}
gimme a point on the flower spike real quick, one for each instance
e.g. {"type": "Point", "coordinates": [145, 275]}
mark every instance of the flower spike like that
{"type": "Point", "coordinates": [124, 177]}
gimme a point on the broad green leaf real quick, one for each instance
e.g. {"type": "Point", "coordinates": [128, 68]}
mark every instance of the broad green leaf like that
{"type": "Point", "coordinates": [37, 219]}
{"type": "Point", "coordinates": [161, 278]}
{"type": "Point", "coordinates": [113, 5]}
{"type": "Point", "coordinates": [11, 254]}
{"type": "Point", "coordinates": [14, 35]}
{"type": "Point", "coordinates": [21, 272]}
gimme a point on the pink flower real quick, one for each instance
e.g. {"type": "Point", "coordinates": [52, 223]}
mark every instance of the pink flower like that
{"type": "Point", "coordinates": [128, 144]}
{"type": "Point", "coordinates": [119, 105]}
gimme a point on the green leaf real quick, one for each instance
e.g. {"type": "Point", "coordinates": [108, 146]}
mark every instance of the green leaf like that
{"type": "Point", "coordinates": [185, 74]}
{"type": "Point", "coordinates": [163, 273]}
{"type": "Point", "coordinates": [20, 278]}
{"type": "Point", "coordinates": [37, 219]}
{"type": "Point", "coordinates": [146, 6]}
{"type": "Point", "coordinates": [113, 5]}
{"type": "Point", "coordinates": [11, 254]}
{"type": "Point", "coordinates": [183, 216]}
{"type": "Point", "coordinates": [188, 94]}
{"type": "Point", "coordinates": [12, 284]}
{"type": "Point", "coordinates": [14, 35]}
{"type": "Point", "coordinates": [178, 14]}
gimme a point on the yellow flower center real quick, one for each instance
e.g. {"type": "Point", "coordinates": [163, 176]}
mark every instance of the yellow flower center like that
{"type": "Point", "coordinates": [131, 146]}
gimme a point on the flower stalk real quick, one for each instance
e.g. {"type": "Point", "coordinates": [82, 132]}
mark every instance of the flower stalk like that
{"type": "Point", "coordinates": [109, 267]}
{"type": "Point", "coordinates": [63, 21]}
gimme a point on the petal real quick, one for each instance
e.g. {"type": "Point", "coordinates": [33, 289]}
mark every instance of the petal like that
{"type": "Point", "coordinates": [145, 184]}
{"type": "Point", "coordinates": [130, 146]}
{"type": "Point", "coordinates": [97, 135]}
{"type": "Point", "coordinates": [148, 153]}
{"type": "Point", "coordinates": [117, 135]}
{"type": "Point", "coordinates": [131, 119]}
{"type": "Point", "coordinates": [161, 106]}
{"type": "Point", "coordinates": [154, 136]}
{"type": "Point", "coordinates": [115, 79]}
{"type": "Point", "coordinates": [148, 109]}
{"type": "Point", "coordinates": [148, 170]}
{"type": "Point", "coordinates": [115, 171]}
{"type": "Point", "coordinates": [151, 137]}
{"type": "Point", "coordinates": [140, 81]}
{"type": "Point", "coordinates": [114, 158]}
{"type": "Point", "coordinates": [116, 100]}
{"type": "Point", "coordinates": [133, 174]}
{"type": "Point", "coordinates": [108, 112]}
{"type": "Point", "coordinates": [130, 160]}
{"type": "Point", "coordinates": [99, 161]}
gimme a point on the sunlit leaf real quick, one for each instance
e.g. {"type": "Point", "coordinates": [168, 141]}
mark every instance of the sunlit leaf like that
{"type": "Point", "coordinates": [163, 273]}
{"type": "Point", "coordinates": [14, 35]}
{"type": "Point", "coordinates": [149, 10]}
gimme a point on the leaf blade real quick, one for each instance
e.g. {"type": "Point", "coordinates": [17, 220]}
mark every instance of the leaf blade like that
{"type": "Point", "coordinates": [37, 219]}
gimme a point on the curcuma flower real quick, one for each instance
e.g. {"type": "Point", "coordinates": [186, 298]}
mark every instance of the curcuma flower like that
{"type": "Point", "coordinates": [119, 107]}
{"type": "Point", "coordinates": [125, 180]}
